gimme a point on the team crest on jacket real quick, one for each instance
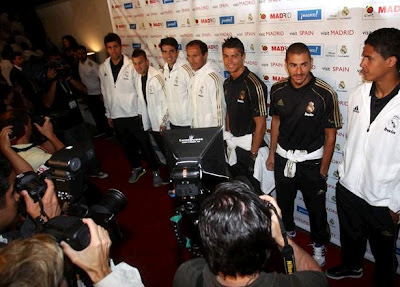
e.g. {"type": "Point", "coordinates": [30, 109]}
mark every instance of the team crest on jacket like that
{"type": "Point", "coordinates": [241, 97]}
{"type": "Point", "coordinates": [310, 109]}
{"type": "Point", "coordinates": [201, 91]}
{"type": "Point", "coordinates": [392, 125]}
{"type": "Point", "coordinates": [176, 82]}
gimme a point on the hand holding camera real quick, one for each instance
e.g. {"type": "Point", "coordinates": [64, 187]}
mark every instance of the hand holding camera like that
{"type": "Point", "coordinates": [276, 232]}
{"type": "Point", "coordinates": [45, 127]}
{"type": "Point", "coordinates": [5, 141]}
{"type": "Point", "coordinates": [51, 206]}
{"type": "Point", "coordinates": [94, 259]}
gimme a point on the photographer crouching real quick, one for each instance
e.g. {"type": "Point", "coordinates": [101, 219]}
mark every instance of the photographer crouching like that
{"type": "Point", "coordinates": [238, 230]}
{"type": "Point", "coordinates": [39, 261]}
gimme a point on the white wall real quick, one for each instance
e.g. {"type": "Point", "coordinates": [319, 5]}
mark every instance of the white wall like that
{"type": "Point", "coordinates": [87, 20]}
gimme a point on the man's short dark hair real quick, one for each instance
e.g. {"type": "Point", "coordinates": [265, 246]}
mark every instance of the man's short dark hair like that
{"type": "Point", "coordinates": [112, 37]}
{"type": "Point", "coordinates": [81, 47]}
{"type": "Point", "coordinates": [386, 42]}
{"type": "Point", "coordinates": [139, 52]}
{"type": "Point", "coordinates": [15, 55]}
{"type": "Point", "coordinates": [235, 228]}
{"type": "Point", "coordinates": [297, 48]}
{"type": "Point", "coordinates": [5, 172]}
{"type": "Point", "coordinates": [233, 42]}
{"type": "Point", "coordinates": [203, 46]}
{"type": "Point", "coordinates": [170, 42]}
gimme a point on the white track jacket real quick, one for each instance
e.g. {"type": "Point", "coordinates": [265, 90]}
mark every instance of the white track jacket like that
{"type": "Point", "coordinates": [208, 99]}
{"type": "Point", "coordinates": [120, 98]}
{"type": "Point", "coordinates": [155, 110]}
{"type": "Point", "coordinates": [177, 83]}
{"type": "Point", "coordinates": [371, 163]}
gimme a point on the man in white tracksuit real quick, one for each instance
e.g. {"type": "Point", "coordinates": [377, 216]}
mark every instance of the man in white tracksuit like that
{"type": "Point", "coordinates": [368, 192]}
{"type": "Point", "coordinates": [206, 90]}
{"type": "Point", "coordinates": [117, 77]}
{"type": "Point", "coordinates": [177, 74]}
{"type": "Point", "coordinates": [152, 103]}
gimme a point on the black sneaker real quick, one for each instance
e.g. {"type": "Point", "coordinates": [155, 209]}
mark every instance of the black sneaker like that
{"type": "Point", "coordinates": [341, 272]}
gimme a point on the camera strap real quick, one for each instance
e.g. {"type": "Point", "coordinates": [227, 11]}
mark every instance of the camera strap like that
{"type": "Point", "coordinates": [287, 250]}
{"type": "Point", "coordinates": [23, 149]}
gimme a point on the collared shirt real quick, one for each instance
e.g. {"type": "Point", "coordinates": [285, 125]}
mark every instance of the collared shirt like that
{"type": "Point", "coordinates": [144, 81]}
{"type": "Point", "coordinates": [304, 113]}
{"type": "Point", "coordinates": [377, 105]}
{"type": "Point", "coordinates": [116, 68]}
{"type": "Point", "coordinates": [246, 98]}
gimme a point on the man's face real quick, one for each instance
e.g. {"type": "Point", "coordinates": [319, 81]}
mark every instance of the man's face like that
{"type": "Point", "coordinates": [195, 58]}
{"type": "Point", "coordinates": [141, 65]}
{"type": "Point", "coordinates": [9, 212]}
{"type": "Point", "coordinates": [114, 50]}
{"type": "Point", "coordinates": [81, 54]}
{"type": "Point", "coordinates": [299, 67]}
{"type": "Point", "coordinates": [373, 66]}
{"type": "Point", "coordinates": [169, 54]}
{"type": "Point", "coordinates": [233, 60]}
{"type": "Point", "coordinates": [18, 61]}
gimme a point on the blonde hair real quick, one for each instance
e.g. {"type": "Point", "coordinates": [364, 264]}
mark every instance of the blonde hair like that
{"type": "Point", "coordinates": [36, 261]}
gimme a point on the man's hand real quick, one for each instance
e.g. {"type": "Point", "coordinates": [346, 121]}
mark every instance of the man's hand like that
{"type": "Point", "coordinates": [270, 163]}
{"type": "Point", "coordinates": [110, 123]}
{"type": "Point", "coordinates": [5, 138]}
{"type": "Point", "coordinates": [51, 74]}
{"type": "Point", "coordinates": [276, 232]}
{"type": "Point", "coordinates": [50, 203]}
{"type": "Point", "coordinates": [162, 129]}
{"type": "Point", "coordinates": [94, 259]}
{"type": "Point", "coordinates": [395, 217]}
{"type": "Point", "coordinates": [46, 129]}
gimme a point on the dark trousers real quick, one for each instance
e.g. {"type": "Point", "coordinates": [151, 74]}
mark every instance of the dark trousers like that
{"type": "Point", "coordinates": [130, 133]}
{"type": "Point", "coordinates": [310, 183]}
{"type": "Point", "coordinates": [360, 221]}
{"type": "Point", "coordinates": [158, 138]}
{"type": "Point", "coordinates": [96, 108]}
{"type": "Point", "coordinates": [243, 170]}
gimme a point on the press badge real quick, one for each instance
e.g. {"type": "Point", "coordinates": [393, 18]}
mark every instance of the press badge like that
{"type": "Point", "coordinates": [72, 104]}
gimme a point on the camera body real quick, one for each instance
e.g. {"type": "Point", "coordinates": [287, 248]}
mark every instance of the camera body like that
{"type": "Point", "coordinates": [70, 228]}
{"type": "Point", "coordinates": [63, 69]}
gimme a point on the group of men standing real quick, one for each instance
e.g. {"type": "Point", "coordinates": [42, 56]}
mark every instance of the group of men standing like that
{"type": "Point", "coordinates": [305, 117]}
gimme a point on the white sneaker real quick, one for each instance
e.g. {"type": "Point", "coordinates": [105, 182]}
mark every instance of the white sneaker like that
{"type": "Point", "coordinates": [319, 254]}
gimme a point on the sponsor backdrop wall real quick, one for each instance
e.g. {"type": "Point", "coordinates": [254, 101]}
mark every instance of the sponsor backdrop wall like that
{"type": "Point", "coordinates": [333, 31]}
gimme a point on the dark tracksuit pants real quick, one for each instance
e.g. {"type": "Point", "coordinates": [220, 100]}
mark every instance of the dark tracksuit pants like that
{"type": "Point", "coordinates": [308, 180]}
{"type": "Point", "coordinates": [130, 133]}
{"type": "Point", "coordinates": [360, 221]}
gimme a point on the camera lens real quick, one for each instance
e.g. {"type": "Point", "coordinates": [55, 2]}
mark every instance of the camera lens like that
{"type": "Point", "coordinates": [112, 202]}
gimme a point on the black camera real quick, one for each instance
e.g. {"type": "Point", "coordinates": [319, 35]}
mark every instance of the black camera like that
{"type": "Point", "coordinates": [63, 69]}
{"type": "Point", "coordinates": [71, 229]}
{"type": "Point", "coordinates": [32, 183]}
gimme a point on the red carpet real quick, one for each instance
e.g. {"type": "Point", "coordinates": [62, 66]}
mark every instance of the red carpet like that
{"type": "Point", "coordinates": [149, 243]}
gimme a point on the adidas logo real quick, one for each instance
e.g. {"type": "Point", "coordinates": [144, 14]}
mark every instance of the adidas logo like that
{"type": "Point", "coordinates": [280, 103]}
{"type": "Point", "coordinates": [355, 110]}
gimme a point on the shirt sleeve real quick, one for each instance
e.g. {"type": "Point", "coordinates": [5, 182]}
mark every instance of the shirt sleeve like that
{"type": "Point", "coordinates": [332, 117]}
{"type": "Point", "coordinates": [122, 275]}
{"type": "Point", "coordinates": [273, 111]}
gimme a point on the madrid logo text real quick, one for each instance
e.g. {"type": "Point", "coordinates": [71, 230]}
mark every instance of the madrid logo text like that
{"type": "Point", "coordinates": [128, 5]}
{"type": "Point", "coordinates": [226, 20]}
{"type": "Point", "coordinates": [172, 24]}
{"type": "Point", "coordinates": [309, 15]}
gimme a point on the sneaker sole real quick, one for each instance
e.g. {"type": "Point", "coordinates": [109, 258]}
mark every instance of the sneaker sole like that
{"type": "Point", "coordinates": [139, 176]}
{"type": "Point", "coordinates": [343, 277]}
